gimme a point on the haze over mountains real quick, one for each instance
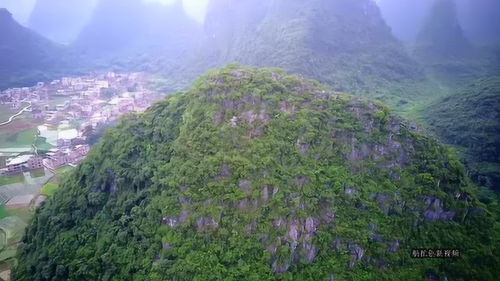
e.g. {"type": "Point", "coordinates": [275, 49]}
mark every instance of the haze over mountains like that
{"type": "Point", "coordinates": [303, 37]}
{"type": "Point", "coordinates": [479, 18]}
{"type": "Point", "coordinates": [146, 27]}
{"type": "Point", "coordinates": [61, 20]}
{"type": "Point", "coordinates": [441, 34]}
{"type": "Point", "coordinates": [25, 56]}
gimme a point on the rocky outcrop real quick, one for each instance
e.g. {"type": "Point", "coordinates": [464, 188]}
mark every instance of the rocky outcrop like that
{"type": "Point", "coordinates": [435, 211]}
{"type": "Point", "coordinates": [298, 239]}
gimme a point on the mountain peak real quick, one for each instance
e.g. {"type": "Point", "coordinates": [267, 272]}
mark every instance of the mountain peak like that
{"type": "Point", "coordinates": [4, 13]}
{"type": "Point", "coordinates": [442, 33]}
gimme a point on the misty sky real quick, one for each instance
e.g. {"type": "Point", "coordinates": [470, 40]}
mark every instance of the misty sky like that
{"type": "Point", "coordinates": [21, 9]}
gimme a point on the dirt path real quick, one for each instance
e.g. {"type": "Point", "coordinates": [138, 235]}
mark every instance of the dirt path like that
{"type": "Point", "coordinates": [27, 108]}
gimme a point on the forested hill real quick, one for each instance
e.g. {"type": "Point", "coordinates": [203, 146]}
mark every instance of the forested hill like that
{"type": "Point", "coordinates": [25, 56]}
{"type": "Point", "coordinates": [469, 120]}
{"type": "Point", "coordinates": [343, 43]}
{"type": "Point", "coordinates": [258, 175]}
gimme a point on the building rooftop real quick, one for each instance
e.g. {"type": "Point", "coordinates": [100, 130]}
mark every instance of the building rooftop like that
{"type": "Point", "coordinates": [19, 160]}
{"type": "Point", "coordinates": [68, 134]}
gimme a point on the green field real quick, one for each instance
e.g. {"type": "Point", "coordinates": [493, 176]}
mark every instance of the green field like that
{"type": "Point", "coordinates": [64, 170]}
{"type": "Point", "coordinates": [4, 213]}
{"type": "Point", "coordinates": [4, 180]}
{"type": "Point", "coordinates": [25, 214]}
{"type": "Point", "coordinates": [6, 112]}
{"type": "Point", "coordinates": [41, 144]}
{"type": "Point", "coordinates": [24, 138]}
{"type": "Point", "coordinates": [37, 173]}
{"type": "Point", "coordinates": [49, 189]}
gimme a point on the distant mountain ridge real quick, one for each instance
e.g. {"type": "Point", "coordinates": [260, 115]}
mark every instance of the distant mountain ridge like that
{"type": "Point", "coordinates": [442, 35]}
{"type": "Point", "coordinates": [345, 44]}
{"type": "Point", "coordinates": [60, 20]}
{"type": "Point", "coordinates": [480, 19]}
{"type": "Point", "coordinates": [25, 56]}
{"type": "Point", "coordinates": [164, 32]}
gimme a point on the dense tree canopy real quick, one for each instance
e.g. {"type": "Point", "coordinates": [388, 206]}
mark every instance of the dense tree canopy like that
{"type": "Point", "coordinates": [258, 175]}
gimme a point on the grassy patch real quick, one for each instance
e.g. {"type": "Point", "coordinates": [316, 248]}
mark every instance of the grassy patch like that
{"type": "Point", "coordinates": [49, 189]}
{"type": "Point", "coordinates": [4, 213]}
{"type": "Point", "coordinates": [42, 144]}
{"type": "Point", "coordinates": [38, 173]}
{"type": "Point", "coordinates": [6, 112]}
{"type": "Point", "coordinates": [64, 170]}
{"type": "Point", "coordinates": [5, 180]}
{"type": "Point", "coordinates": [25, 214]}
{"type": "Point", "coordinates": [24, 138]}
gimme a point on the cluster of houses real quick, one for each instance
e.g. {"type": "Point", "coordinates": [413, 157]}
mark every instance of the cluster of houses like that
{"type": "Point", "coordinates": [55, 158]}
{"type": "Point", "coordinates": [89, 101]}
{"type": "Point", "coordinates": [23, 163]}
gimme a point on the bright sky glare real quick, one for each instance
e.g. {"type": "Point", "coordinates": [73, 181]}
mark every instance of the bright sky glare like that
{"type": "Point", "coordinates": [21, 9]}
{"type": "Point", "coordinates": [194, 8]}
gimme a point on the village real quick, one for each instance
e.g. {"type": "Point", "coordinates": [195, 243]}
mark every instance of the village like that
{"type": "Point", "coordinates": [69, 111]}
{"type": "Point", "coordinates": [45, 131]}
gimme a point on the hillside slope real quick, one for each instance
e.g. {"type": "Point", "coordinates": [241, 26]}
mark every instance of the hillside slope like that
{"type": "Point", "coordinates": [258, 175]}
{"type": "Point", "coordinates": [25, 57]}
{"type": "Point", "coordinates": [470, 121]}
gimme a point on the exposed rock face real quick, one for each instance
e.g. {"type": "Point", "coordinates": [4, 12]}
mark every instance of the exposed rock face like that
{"type": "Point", "coordinates": [298, 239]}
{"type": "Point", "coordinates": [356, 252]}
{"type": "Point", "coordinates": [206, 223]}
{"type": "Point", "coordinates": [394, 246]}
{"type": "Point", "coordinates": [435, 210]}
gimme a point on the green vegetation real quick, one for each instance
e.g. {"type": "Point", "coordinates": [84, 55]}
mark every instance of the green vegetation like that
{"type": "Point", "coordinates": [49, 189]}
{"type": "Point", "coordinates": [4, 213]}
{"type": "Point", "coordinates": [63, 171]}
{"type": "Point", "coordinates": [11, 232]}
{"type": "Point", "coordinates": [258, 175]}
{"type": "Point", "coordinates": [5, 180]}
{"type": "Point", "coordinates": [37, 173]}
{"type": "Point", "coordinates": [18, 139]}
{"type": "Point", "coordinates": [53, 185]}
{"type": "Point", "coordinates": [6, 112]}
{"type": "Point", "coordinates": [471, 121]}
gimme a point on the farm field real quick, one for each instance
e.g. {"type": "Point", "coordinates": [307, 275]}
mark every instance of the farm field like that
{"type": "Point", "coordinates": [4, 213]}
{"type": "Point", "coordinates": [17, 139]}
{"type": "Point", "coordinates": [5, 180]}
{"type": "Point", "coordinates": [5, 112]}
{"type": "Point", "coordinates": [38, 173]}
{"type": "Point", "coordinates": [14, 220]}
